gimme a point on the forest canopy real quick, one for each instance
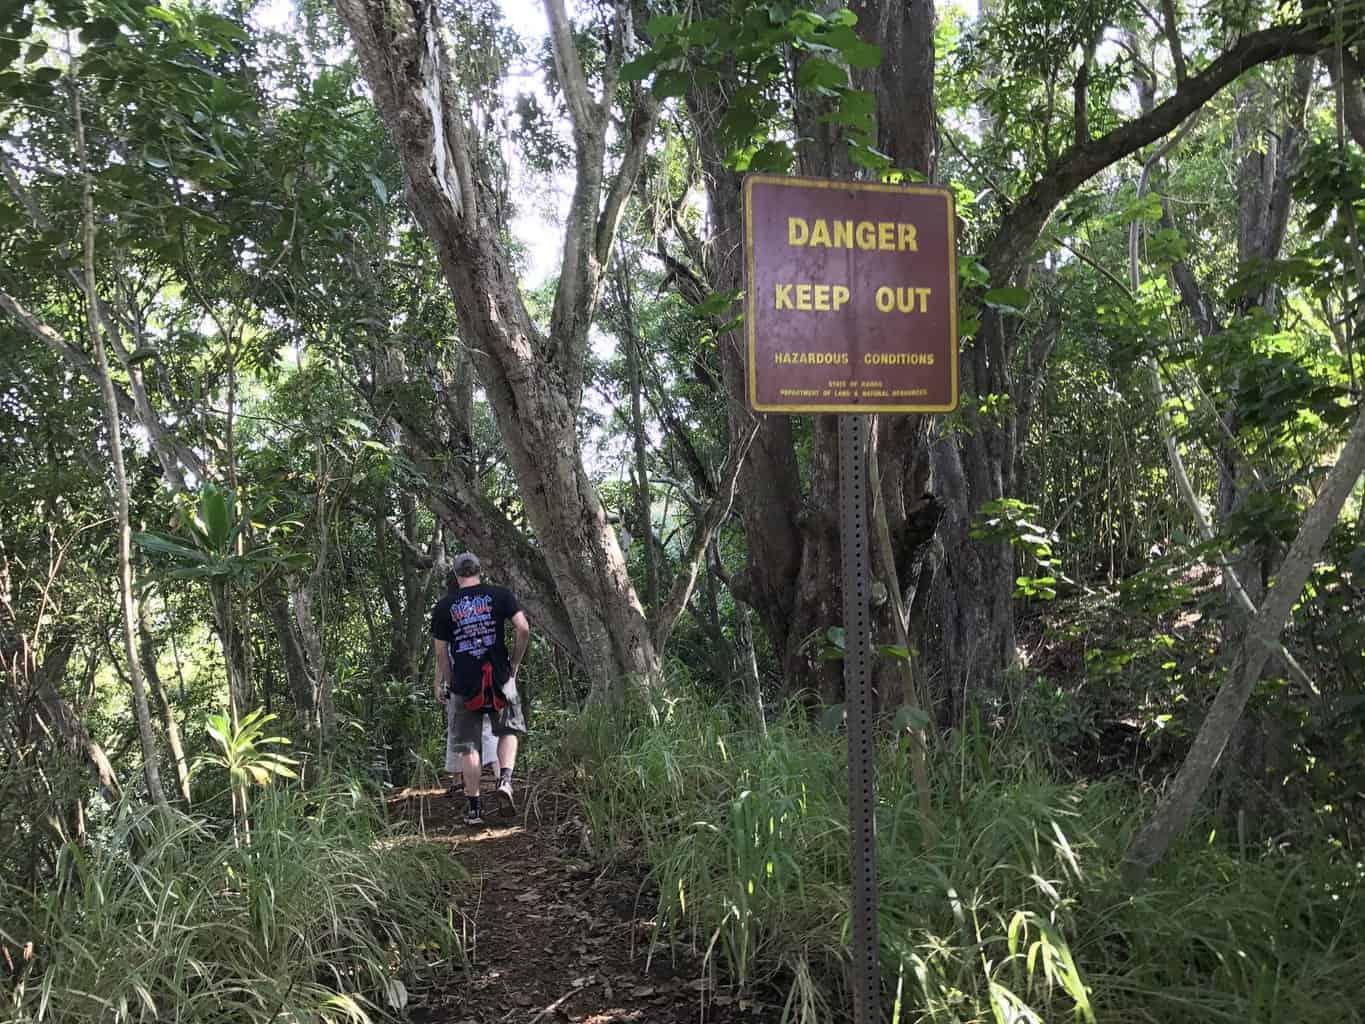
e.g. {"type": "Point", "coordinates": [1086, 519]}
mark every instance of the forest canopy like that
{"type": "Point", "coordinates": [299, 301]}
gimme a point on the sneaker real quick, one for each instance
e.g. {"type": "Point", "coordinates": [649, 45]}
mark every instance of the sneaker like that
{"type": "Point", "coordinates": [473, 818]}
{"type": "Point", "coordinates": [506, 801]}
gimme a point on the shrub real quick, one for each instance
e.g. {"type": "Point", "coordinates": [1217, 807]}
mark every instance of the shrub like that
{"type": "Point", "coordinates": [1005, 907]}
{"type": "Point", "coordinates": [322, 916]}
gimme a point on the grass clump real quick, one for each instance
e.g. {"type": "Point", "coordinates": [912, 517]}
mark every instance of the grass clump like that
{"type": "Point", "coordinates": [322, 916]}
{"type": "Point", "coordinates": [1005, 907]}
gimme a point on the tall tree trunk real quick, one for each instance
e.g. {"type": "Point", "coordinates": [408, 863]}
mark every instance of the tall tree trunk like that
{"type": "Point", "coordinates": [114, 429]}
{"type": "Point", "coordinates": [241, 697]}
{"type": "Point", "coordinates": [644, 518]}
{"type": "Point", "coordinates": [63, 724]}
{"type": "Point", "coordinates": [533, 380]}
{"type": "Point", "coordinates": [323, 721]}
{"type": "Point", "coordinates": [884, 559]}
{"type": "Point", "coordinates": [147, 652]}
{"type": "Point", "coordinates": [286, 631]}
{"type": "Point", "coordinates": [791, 579]}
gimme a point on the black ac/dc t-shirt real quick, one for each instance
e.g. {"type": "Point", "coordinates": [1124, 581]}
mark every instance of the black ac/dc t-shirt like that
{"type": "Point", "coordinates": [470, 620]}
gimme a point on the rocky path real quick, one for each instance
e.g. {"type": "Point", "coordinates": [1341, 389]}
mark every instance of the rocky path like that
{"type": "Point", "coordinates": [551, 937]}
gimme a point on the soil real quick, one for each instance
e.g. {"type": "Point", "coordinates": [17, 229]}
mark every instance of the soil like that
{"type": "Point", "coordinates": [551, 936]}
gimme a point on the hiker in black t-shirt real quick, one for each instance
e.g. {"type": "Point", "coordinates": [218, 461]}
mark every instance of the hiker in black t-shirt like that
{"type": "Point", "coordinates": [475, 676]}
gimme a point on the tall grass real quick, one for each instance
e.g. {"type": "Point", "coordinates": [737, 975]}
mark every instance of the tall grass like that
{"type": "Point", "coordinates": [1007, 909]}
{"type": "Point", "coordinates": [321, 918]}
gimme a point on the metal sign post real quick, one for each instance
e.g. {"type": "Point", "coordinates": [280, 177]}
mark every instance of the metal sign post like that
{"type": "Point", "coordinates": [851, 308]}
{"type": "Point", "coordinates": [862, 830]}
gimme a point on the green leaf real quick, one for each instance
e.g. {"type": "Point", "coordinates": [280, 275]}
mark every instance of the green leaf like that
{"type": "Point", "coordinates": [817, 73]}
{"type": "Point", "coordinates": [864, 56]}
{"type": "Point", "coordinates": [716, 303]}
{"type": "Point", "coordinates": [911, 719]}
{"type": "Point", "coordinates": [198, 572]}
{"type": "Point", "coordinates": [832, 718]}
{"type": "Point", "coordinates": [1007, 300]}
{"type": "Point", "coordinates": [671, 84]}
{"type": "Point", "coordinates": [775, 158]}
{"type": "Point", "coordinates": [167, 546]}
{"type": "Point", "coordinates": [642, 66]}
{"type": "Point", "coordinates": [100, 30]}
{"type": "Point", "coordinates": [866, 156]}
{"type": "Point", "coordinates": [856, 107]}
{"type": "Point", "coordinates": [379, 189]}
{"type": "Point", "coordinates": [663, 24]}
{"type": "Point", "coordinates": [704, 31]}
{"type": "Point", "coordinates": [162, 14]}
{"type": "Point", "coordinates": [216, 512]}
{"type": "Point", "coordinates": [894, 651]}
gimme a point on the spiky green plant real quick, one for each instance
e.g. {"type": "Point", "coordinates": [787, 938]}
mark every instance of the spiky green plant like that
{"type": "Point", "coordinates": [325, 917]}
{"type": "Point", "coordinates": [1008, 909]}
{"type": "Point", "coordinates": [245, 754]}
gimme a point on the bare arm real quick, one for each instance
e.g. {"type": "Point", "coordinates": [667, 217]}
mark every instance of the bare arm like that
{"type": "Point", "coordinates": [441, 650]}
{"type": "Point", "coordinates": [522, 641]}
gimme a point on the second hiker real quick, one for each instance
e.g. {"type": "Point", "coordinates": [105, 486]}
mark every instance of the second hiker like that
{"type": "Point", "coordinates": [477, 678]}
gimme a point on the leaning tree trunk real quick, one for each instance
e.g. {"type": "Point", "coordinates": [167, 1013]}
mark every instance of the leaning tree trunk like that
{"type": "Point", "coordinates": [64, 726]}
{"type": "Point", "coordinates": [114, 428]}
{"type": "Point", "coordinates": [533, 380]}
{"type": "Point", "coordinates": [147, 652]}
{"type": "Point", "coordinates": [286, 631]}
{"type": "Point", "coordinates": [1178, 805]}
{"type": "Point", "coordinates": [241, 694]}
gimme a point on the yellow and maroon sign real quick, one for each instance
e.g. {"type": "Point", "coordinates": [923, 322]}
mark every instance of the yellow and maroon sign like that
{"type": "Point", "coordinates": [851, 296]}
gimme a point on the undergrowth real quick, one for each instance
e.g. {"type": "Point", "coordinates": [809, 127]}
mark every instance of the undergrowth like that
{"type": "Point", "coordinates": [320, 917]}
{"type": "Point", "coordinates": [1005, 907]}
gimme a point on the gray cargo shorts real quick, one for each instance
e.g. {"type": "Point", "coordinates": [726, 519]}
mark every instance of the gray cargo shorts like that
{"type": "Point", "coordinates": [464, 729]}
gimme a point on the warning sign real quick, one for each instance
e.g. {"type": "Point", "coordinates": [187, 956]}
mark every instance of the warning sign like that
{"type": "Point", "coordinates": [851, 296]}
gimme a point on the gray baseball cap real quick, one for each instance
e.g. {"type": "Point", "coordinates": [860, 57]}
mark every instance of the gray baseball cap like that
{"type": "Point", "coordinates": [466, 564]}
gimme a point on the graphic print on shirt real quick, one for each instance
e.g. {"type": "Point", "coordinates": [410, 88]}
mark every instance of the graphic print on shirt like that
{"type": "Point", "coordinates": [473, 626]}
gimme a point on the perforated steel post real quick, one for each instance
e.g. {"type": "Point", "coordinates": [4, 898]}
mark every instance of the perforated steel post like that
{"type": "Point", "coordinates": [866, 966]}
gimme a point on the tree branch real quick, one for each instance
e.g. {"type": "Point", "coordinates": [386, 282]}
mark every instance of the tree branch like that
{"type": "Point", "coordinates": [643, 117]}
{"type": "Point", "coordinates": [583, 108]}
{"type": "Point", "coordinates": [1023, 224]}
{"type": "Point", "coordinates": [169, 451]}
{"type": "Point", "coordinates": [1352, 93]}
{"type": "Point", "coordinates": [1171, 26]}
{"type": "Point", "coordinates": [716, 513]}
{"type": "Point", "coordinates": [62, 348]}
{"type": "Point", "coordinates": [402, 41]}
{"type": "Point", "coordinates": [1082, 92]}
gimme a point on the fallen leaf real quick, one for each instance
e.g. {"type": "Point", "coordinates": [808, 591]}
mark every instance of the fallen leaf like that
{"type": "Point", "coordinates": [522, 999]}
{"type": "Point", "coordinates": [644, 991]}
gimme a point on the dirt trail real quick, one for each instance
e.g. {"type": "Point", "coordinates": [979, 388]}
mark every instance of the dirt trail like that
{"type": "Point", "coordinates": [551, 937]}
